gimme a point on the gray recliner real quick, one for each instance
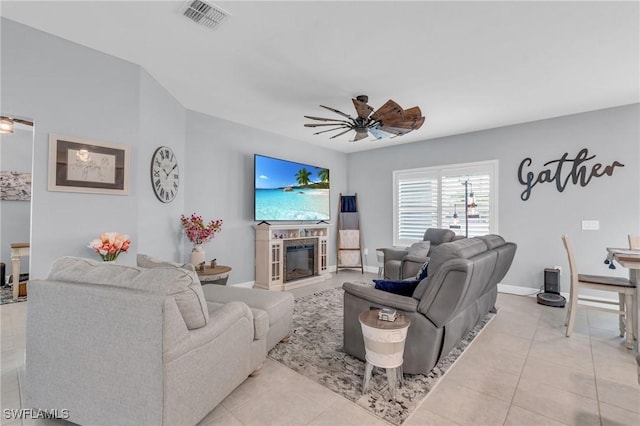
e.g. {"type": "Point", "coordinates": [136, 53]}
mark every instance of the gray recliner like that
{"type": "Point", "coordinates": [400, 264]}
{"type": "Point", "coordinates": [459, 291]}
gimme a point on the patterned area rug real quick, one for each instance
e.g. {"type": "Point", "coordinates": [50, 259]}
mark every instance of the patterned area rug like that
{"type": "Point", "coordinates": [315, 351]}
{"type": "Point", "coordinates": [6, 296]}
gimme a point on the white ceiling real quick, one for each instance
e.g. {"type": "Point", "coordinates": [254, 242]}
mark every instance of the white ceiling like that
{"type": "Point", "coordinates": [467, 65]}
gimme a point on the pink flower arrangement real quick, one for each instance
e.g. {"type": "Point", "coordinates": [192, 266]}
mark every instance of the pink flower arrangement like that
{"type": "Point", "coordinates": [197, 232]}
{"type": "Point", "coordinates": [110, 245]}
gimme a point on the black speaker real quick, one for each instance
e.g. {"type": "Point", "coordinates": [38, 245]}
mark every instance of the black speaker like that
{"type": "Point", "coordinates": [552, 280]}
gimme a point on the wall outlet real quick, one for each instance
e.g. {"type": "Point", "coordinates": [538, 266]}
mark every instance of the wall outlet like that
{"type": "Point", "coordinates": [590, 225]}
{"type": "Point", "coordinates": [559, 268]}
{"type": "Point", "coordinates": [366, 252]}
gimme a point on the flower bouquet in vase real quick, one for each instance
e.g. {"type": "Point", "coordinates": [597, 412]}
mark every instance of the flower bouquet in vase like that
{"type": "Point", "coordinates": [110, 245]}
{"type": "Point", "coordinates": [199, 233]}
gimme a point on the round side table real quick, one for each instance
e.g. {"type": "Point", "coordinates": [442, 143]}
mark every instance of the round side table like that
{"type": "Point", "coordinates": [384, 347]}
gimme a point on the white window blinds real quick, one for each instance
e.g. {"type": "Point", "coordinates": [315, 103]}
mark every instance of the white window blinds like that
{"type": "Point", "coordinates": [431, 197]}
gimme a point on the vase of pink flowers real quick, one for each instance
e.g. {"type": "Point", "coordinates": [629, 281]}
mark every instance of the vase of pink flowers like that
{"type": "Point", "coordinates": [110, 245]}
{"type": "Point", "coordinates": [199, 232]}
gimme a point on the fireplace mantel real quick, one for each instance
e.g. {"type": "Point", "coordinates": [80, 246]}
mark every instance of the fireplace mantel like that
{"type": "Point", "coordinates": [270, 254]}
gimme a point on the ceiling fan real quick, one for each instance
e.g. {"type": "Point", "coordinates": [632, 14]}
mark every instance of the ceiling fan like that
{"type": "Point", "coordinates": [389, 120]}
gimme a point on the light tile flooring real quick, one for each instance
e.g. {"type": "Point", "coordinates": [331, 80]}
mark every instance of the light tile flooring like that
{"type": "Point", "coordinates": [520, 370]}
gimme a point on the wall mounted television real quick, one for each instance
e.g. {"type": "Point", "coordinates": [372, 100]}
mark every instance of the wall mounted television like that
{"type": "Point", "coordinates": [289, 191]}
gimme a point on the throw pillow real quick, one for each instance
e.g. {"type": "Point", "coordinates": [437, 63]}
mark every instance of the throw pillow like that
{"type": "Point", "coordinates": [420, 249]}
{"type": "Point", "coordinates": [401, 287]}
{"type": "Point", "coordinates": [423, 272]}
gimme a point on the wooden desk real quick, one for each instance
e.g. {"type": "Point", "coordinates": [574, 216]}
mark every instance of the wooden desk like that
{"type": "Point", "coordinates": [17, 251]}
{"type": "Point", "coordinates": [630, 259]}
{"type": "Point", "coordinates": [217, 275]}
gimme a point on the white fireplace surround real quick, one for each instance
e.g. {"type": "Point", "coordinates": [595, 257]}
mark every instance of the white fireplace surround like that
{"type": "Point", "coordinates": [270, 254]}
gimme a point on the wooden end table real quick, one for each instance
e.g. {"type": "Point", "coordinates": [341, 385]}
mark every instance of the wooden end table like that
{"type": "Point", "coordinates": [384, 347]}
{"type": "Point", "coordinates": [217, 275]}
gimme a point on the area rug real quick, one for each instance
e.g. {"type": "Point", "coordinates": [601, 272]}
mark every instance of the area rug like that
{"type": "Point", "coordinates": [315, 351]}
{"type": "Point", "coordinates": [6, 296]}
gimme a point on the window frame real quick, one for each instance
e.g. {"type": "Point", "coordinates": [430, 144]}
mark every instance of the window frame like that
{"type": "Point", "coordinates": [489, 167]}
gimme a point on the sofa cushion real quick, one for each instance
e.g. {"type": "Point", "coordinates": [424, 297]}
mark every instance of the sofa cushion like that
{"type": "Point", "coordinates": [438, 235]}
{"type": "Point", "coordinates": [492, 241]}
{"type": "Point", "coordinates": [181, 284]}
{"type": "Point", "coordinates": [463, 249]}
{"type": "Point", "coordinates": [420, 249]}
{"type": "Point", "coordinates": [276, 304]}
{"type": "Point", "coordinates": [401, 287]}
{"type": "Point", "coordinates": [146, 261]}
{"type": "Point", "coordinates": [260, 319]}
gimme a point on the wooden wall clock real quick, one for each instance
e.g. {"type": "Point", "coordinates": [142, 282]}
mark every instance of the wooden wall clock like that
{"type": "Point", "coordinates": [165, 175]}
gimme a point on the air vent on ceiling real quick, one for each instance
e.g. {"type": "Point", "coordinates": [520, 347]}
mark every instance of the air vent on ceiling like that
{"type": "Point", "coordinates": [204, 13]}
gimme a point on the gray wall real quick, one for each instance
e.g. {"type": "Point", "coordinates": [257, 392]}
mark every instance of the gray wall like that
{"type": "Point", "coordinates": [162, 123]}
{"type": "Point", "coordinates": [219, 183]}
{"type": "Point", "coordinates": [71, 90]}
{"type": "Point", "coordinates": [537, 224]}
{"type": "Point", "coordinates": [15, 216]}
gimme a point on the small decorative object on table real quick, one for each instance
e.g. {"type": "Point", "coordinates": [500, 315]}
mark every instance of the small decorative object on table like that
{"type": "Point", "coordinates": [199, 233]}
{"type": "Point", "coordinates": [110, 245]}
{"type": "Point", "coordinates": [387, 314]}
{"type": "Point", "coordinates": [213, 263]}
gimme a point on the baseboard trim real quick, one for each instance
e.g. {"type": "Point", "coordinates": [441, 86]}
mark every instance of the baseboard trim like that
{"type": "Point", "coordinates": [517, 290]}
{"type": "Point", "coordinates": [531, 292]}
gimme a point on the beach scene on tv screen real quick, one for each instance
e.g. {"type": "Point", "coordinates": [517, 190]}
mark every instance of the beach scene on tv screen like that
{"type": "Point", "coordinates": [290, 191]}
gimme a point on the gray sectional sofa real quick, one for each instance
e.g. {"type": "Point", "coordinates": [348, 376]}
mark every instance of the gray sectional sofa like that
{"type": "Point", "coordinates": [118, 345]}
{"type": "Point", "coordinates": [460, 289]}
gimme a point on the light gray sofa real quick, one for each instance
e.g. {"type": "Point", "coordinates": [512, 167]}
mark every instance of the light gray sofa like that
{"type": "Point", "coordinates": [459, 291]}
{"type": "Point", "coordinates": [118, 345]}
{"type": "Point", "coordinates": [400, 264]}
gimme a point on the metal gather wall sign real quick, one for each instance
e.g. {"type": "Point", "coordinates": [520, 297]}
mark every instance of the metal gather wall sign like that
{"type": "Point", "coordinates": [562, 171]}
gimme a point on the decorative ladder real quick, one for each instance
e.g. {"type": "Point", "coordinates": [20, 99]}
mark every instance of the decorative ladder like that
{"type": "Point", "coordinates": [349, 247]}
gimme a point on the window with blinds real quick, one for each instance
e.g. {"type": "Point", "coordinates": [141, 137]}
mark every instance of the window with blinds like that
{"type": "Point", "coordinates": [434, 197]}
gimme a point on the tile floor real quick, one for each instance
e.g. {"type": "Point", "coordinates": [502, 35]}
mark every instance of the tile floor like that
{"type": "Point", "coordinates": [520, 370]}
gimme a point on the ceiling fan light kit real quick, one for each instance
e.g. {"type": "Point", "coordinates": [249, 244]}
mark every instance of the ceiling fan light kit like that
{"type": "Point", "coordinates": [390, 120]}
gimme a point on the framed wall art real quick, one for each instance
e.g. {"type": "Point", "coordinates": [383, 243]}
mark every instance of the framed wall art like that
{"type": "Point", "coordinates": [81, 165]}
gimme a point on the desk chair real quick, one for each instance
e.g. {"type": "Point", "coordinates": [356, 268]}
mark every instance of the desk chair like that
{"type": "Point", "coordinates": [622, 286]}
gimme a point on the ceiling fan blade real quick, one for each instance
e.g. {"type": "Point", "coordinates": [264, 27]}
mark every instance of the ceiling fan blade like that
{"type": "Point", "coordinates": [331, 130]}
{"type": "Point", "coordinates": [337, 112]}
{"type": "Point", "coordinates": [362, 108]}
{"type": "Point", "coordinates": [419, 123]}
{"type": "Point", "coordinates": [322, 124]}
{"type": "Point", "coordinates": [340, 134]}
{"type": "Point", "coordinates": [405, 124]}
{"type": "Point", "coordinates": [412, 113]}
{"type": "Point", "coordinates": [310, 117]}
{"type": "Point", "coordinates": [378, 134]}
{"type": "Point", "coordinates": [389, 111]}
{"type": "Point", "coordinates": [395, 130]}
{"type": "Point", "coordinates": [359, 136]}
